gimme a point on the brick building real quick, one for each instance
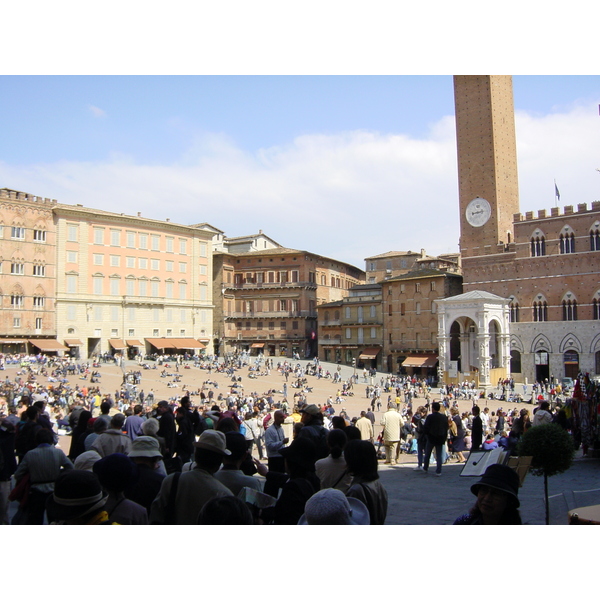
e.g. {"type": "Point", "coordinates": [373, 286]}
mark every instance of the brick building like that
{"type": "Point", "coordinates": [266, 300]}
{"type": "Point", "coordinates": [546, 267]}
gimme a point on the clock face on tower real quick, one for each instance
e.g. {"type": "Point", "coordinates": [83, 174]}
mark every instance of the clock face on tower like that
{"type": "Point", "coordinates": [478, 212]}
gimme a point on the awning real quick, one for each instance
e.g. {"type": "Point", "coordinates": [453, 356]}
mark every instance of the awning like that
{"type": "Point", "coordinates": [118, 344]}
{"type": "Point", "coordinates": [160, 343]}
{"type": "Point", "coordinates": [369, 353]}
{"type": "Point", "coordinates": [135, 343]}
{"type": "Point", "coordinates": [73, 342]}
{"type": "Point", "coordinates": [420, 360]}
{"type": "Point", "coordinates": [48, 345]}
{"type": "Point", "coordinates": [257, 346]}
{"type": "Point", "coordinates": [11, 341]}
{"type": "Point", "coordinates": [187, 344]}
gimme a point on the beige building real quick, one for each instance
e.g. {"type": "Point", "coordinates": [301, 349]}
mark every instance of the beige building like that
{"type": "Point", "coordinates": [266, 300]}
{"type": "Point", "coordinates": [131, 285]}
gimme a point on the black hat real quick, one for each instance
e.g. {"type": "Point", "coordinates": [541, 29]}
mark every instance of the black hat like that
{"type": "Point", "coordinates": [500, 477]}
{"type": "Point", "coordinates": [116, 472]}
{"type": "Point", "coordinates": [76, 494]}
{"type": "Point", "coordinates": [302, 452]}
{"type": "Point", "coordinates": [236, 443]}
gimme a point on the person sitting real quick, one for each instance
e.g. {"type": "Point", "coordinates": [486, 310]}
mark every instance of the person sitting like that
{"type": "Point", "coordinates": [490, 443]}
{"type": "Point", "coordinates": [497, 499]}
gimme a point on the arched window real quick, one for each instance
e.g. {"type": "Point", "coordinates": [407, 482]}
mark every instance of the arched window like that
{"type": "Point", "coordinates": [595, 237]}
{"type": "Point", "coordinates": [569, 310]}
{"type": "Point", "coordinates": [567, 243]}
{"type": "Point", "coordinates": [540, 310]}
{"type": "Point", "coordinates": [513, 307]}
{"type": "Point", "coordinates": [538, 245]}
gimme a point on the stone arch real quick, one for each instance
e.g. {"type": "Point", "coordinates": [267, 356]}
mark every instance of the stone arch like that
{"type": "Point", "coordinates": [595, 345]}
{"type": "Point", "coordinates": [570, 342]}
{"type": "Point", "coordinates": [516, 343]}
{"type": "Point", "coordinates": [541, 343]}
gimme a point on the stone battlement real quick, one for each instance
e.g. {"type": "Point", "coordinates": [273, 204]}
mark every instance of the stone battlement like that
{"type": "Point", "coordinates": [6, 194]}
{"type": "Point", "coordinates": [555, 212]}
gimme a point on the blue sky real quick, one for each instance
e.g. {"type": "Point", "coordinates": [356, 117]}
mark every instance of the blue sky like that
{"type": "Point", "coordinates": [345, 166]}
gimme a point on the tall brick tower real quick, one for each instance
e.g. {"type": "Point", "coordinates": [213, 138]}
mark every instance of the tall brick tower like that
{"type": "Point", "coordinates": [487, 162]}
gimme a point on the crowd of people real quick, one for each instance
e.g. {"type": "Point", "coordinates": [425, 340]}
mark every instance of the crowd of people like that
{"type": "Point", "coordinates": [211, 456]}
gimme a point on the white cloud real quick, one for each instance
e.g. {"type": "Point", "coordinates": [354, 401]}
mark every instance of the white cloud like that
{"type": "Point", "coordinates": [97, 112]}
{"type": "Point", "coordinates": [347, 196]}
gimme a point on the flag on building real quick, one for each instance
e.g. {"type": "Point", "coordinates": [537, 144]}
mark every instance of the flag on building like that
{"type": "Point", "coordinates": [556, 192]}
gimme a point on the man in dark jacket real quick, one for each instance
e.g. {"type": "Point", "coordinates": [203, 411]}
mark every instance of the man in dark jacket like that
{"type": "Point", "coordinates": [476, 429]}
{"type": "Point", "coordinates": [166, 429]}
{"type": "Point", "coordinates": [436, 432]}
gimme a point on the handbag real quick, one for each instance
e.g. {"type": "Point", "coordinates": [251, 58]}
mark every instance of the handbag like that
{"type": "Point", "coordinates": [20, 493]}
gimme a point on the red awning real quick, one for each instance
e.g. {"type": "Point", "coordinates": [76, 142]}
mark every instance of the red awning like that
{"type": "Point", "coordinates": [118, 344]}
{"type": "Point", "coordinates": [420, 360]}
{"type": "Point", "coordinates": [48, 345]}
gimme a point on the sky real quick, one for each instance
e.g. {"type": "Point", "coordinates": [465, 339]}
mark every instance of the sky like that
{"type": "Point", "coordinates": [343, 166]}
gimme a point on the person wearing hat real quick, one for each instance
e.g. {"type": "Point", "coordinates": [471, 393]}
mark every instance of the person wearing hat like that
{"type": "Point", "coordinates": [182, 495]}
{"type": "Point", "coordinates": [78, 499]}
{"type": "Point", "coordinates": [497, 499]}
{"type": "Point", "coordinates": [332, 507]}
{"type": "Point", "coordinates": [231, 474]}
{"type": "Point", "coordinates": [146, 455]}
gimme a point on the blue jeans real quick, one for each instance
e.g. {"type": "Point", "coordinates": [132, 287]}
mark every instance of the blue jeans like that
{"type": "Point", "coordinates": [429, 446]}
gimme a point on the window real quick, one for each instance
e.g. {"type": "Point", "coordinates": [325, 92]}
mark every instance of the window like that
{"type": "Point", "coordinates": [202, 249]}
{"type": "Point", "coordinates": [98, 259]}
{"type": "Point", "coordinates": [417, 287]}
{"type": "Point", "coordinates": [569, 310]}
{"type": "Point", "coordinates": [143, 263]}
{"type": "Point", "coordinates": [418, 308]}
{"type": "Point", "coordinates": [39, 235]}
{"type": "Point", "coordinates": [540, 311]}
{"type": "Point", "coordinates": [38, 323]}
{"type": "Point", "coordinates": [17, 322]}
{"type": "Point", "coordinates": [155, 241]}
{"type": "Point", "coordinates": [294, 324]}
{"type": "Point", "coordinates": [131, 315]}
{"type": "Point", "coordinates": [373, 332]}
{"type": "Point", "coordinates": [513, 314]}
{"type": "Point", "coordinates": [182, 291]}
{"type": "Point", "coordinates": [71, 312]}
{"type": "Point", "coordinates": [98, 285]}
{"type": "Point", "coordinates": [114, 333]}
{"type": "Point", "coordinates": [259, 325]}
{"type": "Point", "coordinates": [283, 305]}
{"type": "Point", "coordinates": [283, 325]}
{"type": "Point", "coordinates": [114, 313]}
{"type": "Point", "coordinates": [182, 246]}
{"type": "Point", "coordinates": [154, 286]}
{"type": "Point", "coordinates": [182, 267]}
{"type": "Point", "coordinates": [17, 268]}
{"type": "Point", "coordinates": [155, 265]}
{"type": "Point", "coordinates": [169, 289]}
{"type": "Point", "coordinates": [131, 332]}
{"type": "Point", "coordinates": [16, 301]}
{"type": "Point", "coordinates": [39, 301]}
{"type": "Point", "coordinates": [169, 241]}
{"type": "Point", "coordinates": [115, 237]}
{"type": "Point", "coordinates": [71, 284]}
{"type": "Point", "coordinates": [169, 332]}
{"type": "Point", "coordinates": [182, 332]}
{"type": "Point", "coordinates": [417, 340]}
{"type": "Point", "coordinates": [432, 286]}
{"type": "Point", "coordinates": [271, 325]}
{"type": "Point", "coordinates": [169, 265]}
{"type": "Point", "coordinates": [115, 260]}
{"type": "Point", "coordinates": [248, 325]}
{"type": "Point", "coordinates": [203, 272]}
{"type": "Point", "coordinates": [71, 257]}
{"type": "Point", "coordinates": [114, 287]}
{"type": "Point", "coordinates": [372, 311]}
{"type": "Point", "coordinates": [348, 333]}
{"type": "Point", "coordinates": [155, 332]}
{"type": "Point", "coordinates": [72, 233]}
{"type": "Point", "coordinates": [361, 335]}
{"type": "Point", "coordinates": [143, 241]}
{"type": "Point", "coordinates": [143, 287]}
{"type": "Point", "coordinates": [130, 287]}
{"type": "Point", "coordinates": [595, 239]}
{"type": "Point", "coordinates": [347, 312]}
{"type": "Point", "coordinates": [17, 233]}
{"type": "Point", "coordinates": [131, 239]}
{"type": "Point", "coordinates": [402, 308]}
{"type": "Point", "coordinates": [98, 236]}
{"type": "Point", "coordinates": [567, 243]}
{"type": "Point", "coordinates": [98, 313]}
{"type": "Point", "coordinates": [402, 288]}
{"type": "Point", "coordinates": [130, 262]}
{"type": "Point", "coordinates": [596, 309]}
{"type": "Point", "coordinates": [538, 246]}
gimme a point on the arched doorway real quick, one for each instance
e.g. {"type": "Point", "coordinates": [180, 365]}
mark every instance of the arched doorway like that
{"type": "Point", "coordinates": [515, 361]}
{"type": "Point", "coordinates": [542, 368]}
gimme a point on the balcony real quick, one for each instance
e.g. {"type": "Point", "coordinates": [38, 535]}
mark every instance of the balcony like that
{"type": "Point", "coordinates": [269, 285]}
{"type": "Point", "coordinates": [282, 314]}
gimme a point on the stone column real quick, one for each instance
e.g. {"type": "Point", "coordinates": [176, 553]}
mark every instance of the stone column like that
{"type": "Point", "coordinates": [483, 342]}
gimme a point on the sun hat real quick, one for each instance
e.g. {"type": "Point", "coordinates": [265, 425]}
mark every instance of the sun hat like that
{"type": "Point", "coordinates": [500, 477]}
{"type": "Point", "coordinates": [213, 440]}
{"type": "Point", "coordinates": [332, 507]}
{"type": "Point", "coordinates": [76, 494]}
{"type": "Point", "coordinates": [85, 461]}
{"type": "Point", "coordinates": [145, 446]}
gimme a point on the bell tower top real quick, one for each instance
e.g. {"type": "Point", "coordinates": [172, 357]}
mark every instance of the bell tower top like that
{"type": "Point", "coordinates": [487, 162]}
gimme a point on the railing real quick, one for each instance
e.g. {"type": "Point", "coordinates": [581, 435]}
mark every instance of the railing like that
{"type": "Point", "coordinates": [282, 314]}
{"type": "Point", "coordinates": [268, 284]}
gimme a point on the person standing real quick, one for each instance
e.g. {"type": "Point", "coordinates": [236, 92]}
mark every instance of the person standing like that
{"type": "Point", "coordinates": [436, 432]}
{"type": "Point", "coordinates": [476, 429]}
{"type": "Point", "coordinates": [392, 423]}
{"type": "Point", "coordinates": [365, 427]}
{"type": "Point", "coordinates": [275, 440]}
